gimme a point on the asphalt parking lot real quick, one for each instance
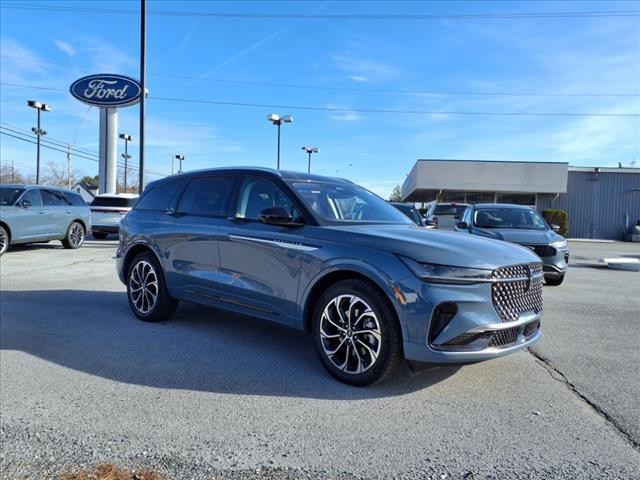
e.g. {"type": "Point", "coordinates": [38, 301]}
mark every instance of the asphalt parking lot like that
{"type": "Point", "coordinates": [213, 395]}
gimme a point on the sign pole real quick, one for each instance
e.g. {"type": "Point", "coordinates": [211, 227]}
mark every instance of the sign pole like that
{"type": "Point", "coordinates": [143, 47]}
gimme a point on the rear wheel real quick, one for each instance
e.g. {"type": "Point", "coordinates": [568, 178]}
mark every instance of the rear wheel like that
{"type": "Point", "coordinates": [356, 333]}
{"type": "Point", "coordinates": [4, 240]}
{"type": "Point", "coordinates": [100, 235]}
{"type": "Point", "coordinates": [147, 291]}
{"type": "Point", "coordinates": [554, 281]}
{"type": "Point", "coordinates": [75, 236]}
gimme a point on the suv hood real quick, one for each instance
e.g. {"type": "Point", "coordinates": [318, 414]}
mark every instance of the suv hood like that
{"type": "Point", "coordinates": [515, 235]}
{"type": "Point", "coordinates": [430, 245]}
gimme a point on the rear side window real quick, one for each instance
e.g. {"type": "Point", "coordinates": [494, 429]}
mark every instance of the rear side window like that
{"type": "Point", "coordinates": [51, 198]}
{"type": "Point", "coordinates": [207, 196]}
{"type": "Point", "coordinates": [455, 210]}
{"type": "Point", "coordinates": [160, 197]}
{"type": "Point", "coordinates": [75, 199]}
{"type": "Point", "coordinates": [121, 202]}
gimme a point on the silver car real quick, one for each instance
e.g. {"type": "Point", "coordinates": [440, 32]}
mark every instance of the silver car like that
{"type": "Point", "coordinates": [107, 210]}
{"type": "Point", "coordinates": [33, 213]}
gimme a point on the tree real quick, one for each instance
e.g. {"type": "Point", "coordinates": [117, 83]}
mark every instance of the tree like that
{"type": "Point", "coordinates": [92, 181]}
{"type": "Point", "coordinates": [396, 194]}
{"type": "Point", "coordinates": [10, 174]}
{"type": "Point", "coordinates": [56, 175]}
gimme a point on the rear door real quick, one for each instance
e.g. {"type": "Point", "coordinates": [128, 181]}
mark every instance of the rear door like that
{"type": "Point", "coordinates": [189, 233]}
{"type": "Point", "coordinates": [57, 211]}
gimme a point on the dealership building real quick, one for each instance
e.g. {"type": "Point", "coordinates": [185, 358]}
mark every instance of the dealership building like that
{"type": "Point", "coordinates": [602, 203]}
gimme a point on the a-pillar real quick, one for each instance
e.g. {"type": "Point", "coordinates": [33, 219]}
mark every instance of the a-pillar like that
{"type": "Point", "coordinates": [108, 167]}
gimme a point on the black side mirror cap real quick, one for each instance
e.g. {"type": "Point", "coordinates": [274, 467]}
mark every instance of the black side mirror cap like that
{"type": "Point", "coordinates": [278, 215]}
{"type": "Point", "coordinates": [462, 225]}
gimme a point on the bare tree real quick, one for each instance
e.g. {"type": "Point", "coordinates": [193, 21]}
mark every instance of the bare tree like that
{"type": "Point", "coordinates": [56, 175]}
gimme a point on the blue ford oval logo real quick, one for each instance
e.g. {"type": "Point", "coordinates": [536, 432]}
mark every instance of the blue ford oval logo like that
{"type": "Point", "coordinates": [106, 90]}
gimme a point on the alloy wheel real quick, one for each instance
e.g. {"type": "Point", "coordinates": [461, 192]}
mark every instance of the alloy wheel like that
{"type": "Point", "coordinates": [143, 287]}
{"type": "Point", "coordinates": [350, 334]}
{"type": "Point", "coordinates": [4, 241]}
{"type": "Point", "coordinates": [76, 236]}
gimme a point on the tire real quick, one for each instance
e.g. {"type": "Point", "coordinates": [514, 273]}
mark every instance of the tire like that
{"type": "Point", "coordinates": [4, 240]}
{"type": "Point", "coordinates": [75, 236]}
{"type": "Point", "coordinates": [554, 281]}
{"type": "Point", "coordinates": [145, 277]}
{"type": "Point", "coordinates": [100, 235]}
{"type": "Point", "coordinates": [377, 353]}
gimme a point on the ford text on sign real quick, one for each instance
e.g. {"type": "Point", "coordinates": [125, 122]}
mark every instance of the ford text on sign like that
{"type": "Point", "coordinates": [106, 90]}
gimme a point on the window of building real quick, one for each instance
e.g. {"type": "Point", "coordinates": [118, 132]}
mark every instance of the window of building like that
{"type": "Point", "coordinates": [528, 199]}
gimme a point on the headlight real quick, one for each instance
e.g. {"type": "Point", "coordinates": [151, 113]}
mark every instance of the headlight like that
{"type": "Point", "coordinates": [446, 274]}
{"type": "Point", "coordinates": [560, 244]}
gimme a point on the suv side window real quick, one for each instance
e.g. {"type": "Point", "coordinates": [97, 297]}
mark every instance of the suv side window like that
{"type": "Point", "coordinates": [33, 196]}
{"type": "Point", "coordinates": [256, 194]}
{"type": "Point", "coordinates": [160, 197]}
{"type": "Point", "coordinates": [52, 198]}
{"type": "Point", "coordinates": [75, 199]}
{"type": "Point", "coordinates": [208, 196]}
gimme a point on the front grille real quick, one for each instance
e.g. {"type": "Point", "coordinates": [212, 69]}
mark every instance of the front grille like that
{"type": "Point", "coordinates": [542, 250]}
{"type": "Point", "coordinates": [517, 289]}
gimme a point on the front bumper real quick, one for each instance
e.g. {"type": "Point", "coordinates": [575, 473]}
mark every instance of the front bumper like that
{"type": "Point", "coordinates": [476, 332]}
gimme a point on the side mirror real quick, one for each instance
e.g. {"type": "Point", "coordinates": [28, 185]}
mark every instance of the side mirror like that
{"type": "Point", "coordinates": [555, 228]}
{"type": "Point", "coordinates": [277, 216]}
{"type": "Point", "coordinates": [462, 225]}
{"type": "Point", "coordinates": [26, 203]}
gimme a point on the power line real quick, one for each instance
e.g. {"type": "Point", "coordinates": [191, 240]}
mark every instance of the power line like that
{"type": "Point", "coordinates": [296, 16]}
{"type": "Point", "coordinates": [346, 89]}
{"type": "Point", "coordinates": [369, 110]}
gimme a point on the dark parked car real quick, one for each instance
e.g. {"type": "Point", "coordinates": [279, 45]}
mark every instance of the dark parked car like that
{"type": "Point", "coordinates": [33, 213]}
{"type": "Point", "coordinates": [523, 225]}
{"type": "Point", "coordinates": [410, 211]}
{"type": "Point", "coordinates": [444, 215]}
{"type": "Point", "coordinates": [327, 256]}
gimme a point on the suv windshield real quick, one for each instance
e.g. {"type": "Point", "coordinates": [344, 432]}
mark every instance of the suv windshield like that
{"type": "Point", "coordinates": [9, 195]}
{"type": "Point", "coordinates": [520, 218]}
{"type": "Point", "coordinates": [337, 202]}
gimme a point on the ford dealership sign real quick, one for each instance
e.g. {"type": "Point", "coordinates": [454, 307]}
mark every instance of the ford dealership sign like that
{"type": "Point", "coordinates": [106, 90]}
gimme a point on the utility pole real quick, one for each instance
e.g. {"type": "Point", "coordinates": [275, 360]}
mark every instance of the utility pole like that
{"type": "Point", "coordinates": [13, 172]}
{"type": "Point", "coordinates": [69, 166]}
{"type": "Point", "coordinates": [143, 87]}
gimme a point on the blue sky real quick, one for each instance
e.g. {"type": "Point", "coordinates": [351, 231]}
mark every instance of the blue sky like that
{"type": "Point", "coordinates": [568, 56]}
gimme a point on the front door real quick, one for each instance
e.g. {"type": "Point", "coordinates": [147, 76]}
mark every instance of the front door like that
{"type": "Point", "coordinates": [29, 220]}
{"type": "Point", "coordinates": [260, 264]}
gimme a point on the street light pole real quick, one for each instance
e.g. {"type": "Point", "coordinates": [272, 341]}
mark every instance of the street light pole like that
{"type": "Point", "coordinates": [40, 107]}
{"type": "Point", "coordinates": [310, 150]}
{"type": "Point", "coordinates": [180, 158]}
{"type": "Point", "coordinates": [127, 138]}
{"type": "Point", "coordinates": [143, 88]}
{"type": "Point", "coordinates": [277, 120]}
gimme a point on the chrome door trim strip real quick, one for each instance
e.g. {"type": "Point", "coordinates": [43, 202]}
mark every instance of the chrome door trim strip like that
{"type": "Point", "coordinates": [280, 243]}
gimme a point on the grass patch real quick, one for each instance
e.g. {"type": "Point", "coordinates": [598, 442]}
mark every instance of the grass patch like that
{"type": "Point", "coordinates": [109, 471]}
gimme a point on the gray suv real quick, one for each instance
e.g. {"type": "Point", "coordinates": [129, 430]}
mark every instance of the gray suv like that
{"type": "Point", "coordinates": [30, 213]}
{"type": "Point", "coordinates": [329, 257]}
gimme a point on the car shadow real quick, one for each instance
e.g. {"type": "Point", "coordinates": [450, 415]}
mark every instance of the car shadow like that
{"type": "Point", "coordinates": [198, 349]}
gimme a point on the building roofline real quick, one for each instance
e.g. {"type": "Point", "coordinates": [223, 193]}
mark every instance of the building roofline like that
{"type": "Point", "coordinates": [605, 169]}
{"type": "Point", "coordinates": [484, 161]}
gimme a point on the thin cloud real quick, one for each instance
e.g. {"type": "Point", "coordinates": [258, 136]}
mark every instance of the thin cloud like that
{"type": "Point", "coordinates": [359, 78]}
{"type": "Point", "coordinates": [65, 47]}
{"type": "Point", "coordinates": [364, 69]}
{"type": "Point", "coordinates": [344, 115]}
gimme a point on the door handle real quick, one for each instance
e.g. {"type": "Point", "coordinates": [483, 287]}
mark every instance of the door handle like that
{"type": "Point", "coordinates": [41, 212]}
{"type": "Point", "coordinates": [68, 211]}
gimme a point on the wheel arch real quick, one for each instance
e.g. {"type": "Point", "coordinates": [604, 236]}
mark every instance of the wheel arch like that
{"type": "Point", "coordinates": [133, 252]}
{"type": "Point", "coordinates": [81, 222]}
{"type": "Point", "coordinates": [324, 281]}
{"type": "Point", "coordinates": [6, 229]}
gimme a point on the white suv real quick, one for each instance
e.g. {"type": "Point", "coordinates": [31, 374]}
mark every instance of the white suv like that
{"type": "Point", "coordinates": [107, 210]}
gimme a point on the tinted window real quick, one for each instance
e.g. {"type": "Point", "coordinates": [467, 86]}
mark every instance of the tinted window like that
{"type": "Point", "coordinates": [75, 199]}
{"type": "Point", "coordinates": [345, 202]}
{"type": "Point", "coordinates": [33, 196]}
{"type": "Point", "coordinates": [51, 198]}
{"type": "Point", "coordinates": [160, 197]}
{"type": "Point", "coordinates": [455, 210]}
{"type": "Point", "coordinates": [411, 212]}
{"type": "Point", "coordinates": [207, 196]}
{"type": "Point", "coordinates": [9, 195]}
{"type": "Point", "coordinates": [122, 202]}
{"type": "Point", "coordinates": [256, 194]}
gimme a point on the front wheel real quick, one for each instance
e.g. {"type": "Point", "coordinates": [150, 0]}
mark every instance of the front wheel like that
{"type": "Point", "coordinates": [4, 240]}
{"type": "Point", "coordinates": [75, 236]}
{"type": "Point", "coordinates": [554, 281]}
{"type": "Point", "coordinates": [147, 291]}
{"type": "Point", "coordinates": [356, 333]}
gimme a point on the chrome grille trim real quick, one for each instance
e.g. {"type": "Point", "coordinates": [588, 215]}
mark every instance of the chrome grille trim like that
{"type": "Point", "coordinates": [517, 289]}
